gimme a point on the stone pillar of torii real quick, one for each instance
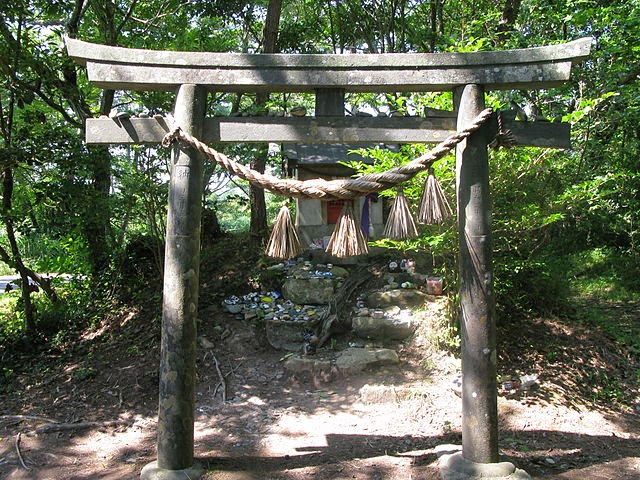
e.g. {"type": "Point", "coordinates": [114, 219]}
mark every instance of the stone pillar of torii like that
{"type": "Point", "coordinates": [192, 75]}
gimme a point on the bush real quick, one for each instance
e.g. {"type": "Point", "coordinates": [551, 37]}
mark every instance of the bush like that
{"type": "Point", "coordinates": [528, 286]}
{"type": "Point", "coordinates": [140, 259]}
{"type": "Point", "coordinates": [70, 313]}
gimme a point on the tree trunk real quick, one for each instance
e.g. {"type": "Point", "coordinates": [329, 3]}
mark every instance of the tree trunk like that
{"type": "Point", "coordinates": [98, 222]}
{"type": "Point", "coordinates": [270, 36]}
{"type": "Point", "coordinates": [16, 258]}
{"type": "Point", "coordinates": [258, 224]}
{"type": "Point", "coordinates": [434, 24]}
{"type": "Point", "coordinates": [508, 20]}
{"type": "Point", "coordinates": [97, 228]}
{"type": "Point", "coordinates": [20, 267]}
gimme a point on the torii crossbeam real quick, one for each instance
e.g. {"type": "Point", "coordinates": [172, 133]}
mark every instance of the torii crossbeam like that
{"type": "Point", "coordinates": [193, 74]}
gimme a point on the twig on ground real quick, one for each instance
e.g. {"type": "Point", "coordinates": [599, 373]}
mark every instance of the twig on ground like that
{"type": "Point", "coordinates": [17, 445]}
{"type": "Point", "coordinates": [21, 418]}
{"type": "Point", "coordinates": [62, 427]}
{"type": "Point", "coordinates": [232, 369]}
{"type": "Point", "coordinates": [222, 383]}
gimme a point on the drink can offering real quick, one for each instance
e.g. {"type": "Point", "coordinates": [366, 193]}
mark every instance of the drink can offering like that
{"type": "Point", "coordinates": [434, 285]}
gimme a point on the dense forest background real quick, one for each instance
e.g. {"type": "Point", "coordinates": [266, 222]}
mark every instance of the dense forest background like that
{"type": "Point", "coordinates": [565, 222]}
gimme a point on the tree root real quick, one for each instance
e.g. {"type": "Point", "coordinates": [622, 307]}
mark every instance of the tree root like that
{"type": "Point", "coordinates": [17, 445]}
{"type": "Point", "coordinates": [63, 427]}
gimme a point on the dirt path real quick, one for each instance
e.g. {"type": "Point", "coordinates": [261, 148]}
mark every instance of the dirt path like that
{"type": "Point", "coordinates": [382, 424]}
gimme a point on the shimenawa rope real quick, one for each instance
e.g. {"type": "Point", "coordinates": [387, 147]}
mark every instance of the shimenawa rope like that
{"type": "Point", "coordinates": [332, 189]}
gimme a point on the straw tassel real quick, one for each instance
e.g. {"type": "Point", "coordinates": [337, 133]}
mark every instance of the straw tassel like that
{"type": "Point", "coordinates": [400, 224]}
{"type": "Point", "coordinates": [434, 207]}
{"type": "Point", "coordinates": [284, 242]}
{"type": "Point", "coordinates": [347, 239]}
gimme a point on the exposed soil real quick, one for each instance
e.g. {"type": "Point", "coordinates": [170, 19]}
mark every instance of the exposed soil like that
{"type": "Point", "coordinates": [580, 422]}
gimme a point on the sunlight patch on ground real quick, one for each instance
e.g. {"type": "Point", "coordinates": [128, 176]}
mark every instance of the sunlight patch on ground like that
{"type": "Point", "coordinates": [116, 446]}
{"type": "Point", "coordinates": [558, 418]}
{"type": "Point", "coordinates": [623, 469]}
{"type": "Point", "coordinates": [284, 436]}
{"type": "Point", "coordinates": [116, 453]}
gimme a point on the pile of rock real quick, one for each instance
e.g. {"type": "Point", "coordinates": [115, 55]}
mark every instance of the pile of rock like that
{"type": "Point", "coordinates": [271, 306]}
{"type": "Point", "coordinates": [293, 316]}
{"type": "Point", "coordinates": [309, 284]}
{"type": "Point", "coordinates": [387, 314]}
{"type": "Point", "coordinates": [352, 360]}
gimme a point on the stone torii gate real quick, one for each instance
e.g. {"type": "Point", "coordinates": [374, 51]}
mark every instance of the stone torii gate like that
{"type": "Point", "coordinates": [192, 75]}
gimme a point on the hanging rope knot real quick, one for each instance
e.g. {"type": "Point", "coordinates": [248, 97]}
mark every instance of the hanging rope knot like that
{"type": "Point", "coordinates": [504, 138]}
{"type": "Point", "coordinates": [172, 135]}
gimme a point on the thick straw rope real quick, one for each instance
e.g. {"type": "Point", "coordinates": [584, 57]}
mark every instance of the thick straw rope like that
{"type": "Point", "coordinates": [332, 189]}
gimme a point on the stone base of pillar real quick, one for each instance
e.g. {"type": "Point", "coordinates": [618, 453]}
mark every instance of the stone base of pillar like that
{"type": "Point", "coordinates": [453, 466]}
{"type": "Point", "coordinates": [151, 471]}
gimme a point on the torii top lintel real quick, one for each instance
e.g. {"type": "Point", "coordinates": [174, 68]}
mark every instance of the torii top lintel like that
{"type": "Point", "coordinates": [136, 69]}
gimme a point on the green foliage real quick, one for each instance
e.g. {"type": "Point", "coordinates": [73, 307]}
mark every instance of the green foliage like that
{"type": "Point", "coordinates": [605, 273]}
{"type": "Point", "coordinates": [233, 209]}
{"type": "Point", "coordinates": [82, 373]}
{"type": "Point", "coordinates": [60, 255]}
{"type": "Point", "coordinates": [142, 176]}
{"type": "Point", "coordinates": [72, 313]}
{"type": "Point", "coordinates": [528, 286]}
{"type": "Point", "coordinates": [11, 321]}
{"type": "Point", "coordinates": [305, 27]}
{"type": "Point", "coordinates": [447, 335]}
{"type": "Point", "coordinates": [233, 213]}
{"type": "Point", "coordinates": [141, 258]}
{"type": "Point", "coordinates": [54, 320]}
{"type": "Point", "coordinates": [548, 206]}
{"type": "Point", "coordinates": [597, 287]}
{"type": "Point", "coordinates": [5, 269]}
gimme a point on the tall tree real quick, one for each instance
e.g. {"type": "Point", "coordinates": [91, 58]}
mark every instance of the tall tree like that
{"type": "Point", "coordinates": [508, 20]}
{"type": "Point", "coordinates": [17, 92]}
{"type": "Point", "coordinates": [258, 223]}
